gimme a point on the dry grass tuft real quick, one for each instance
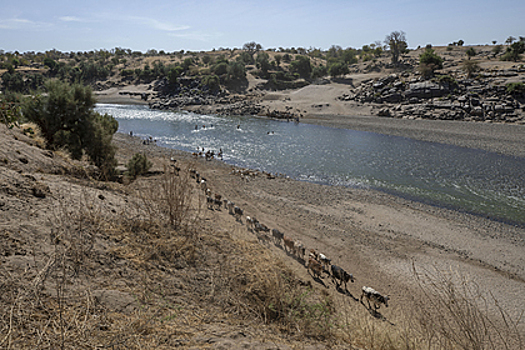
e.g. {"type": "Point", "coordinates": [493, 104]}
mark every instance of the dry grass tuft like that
{"type": "Point", "coordinates": [455, 314]}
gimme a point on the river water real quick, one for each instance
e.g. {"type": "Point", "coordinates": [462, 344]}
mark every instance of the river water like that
{"type": "Point", "coordinates": [464, 179]}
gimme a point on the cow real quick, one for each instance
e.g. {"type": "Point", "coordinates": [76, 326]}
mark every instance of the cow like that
{"type": "Point", "coordinates": [341, 275]}
{"type": "Point", "coordinates": [261, 227]}
{"type": "Point", "coordinates": [238, 212]}
{"type": "Point", "coordinates": [372, 295]}
{"type": "Point", "coordinates": [210, 202]}
{"type": "Point", "coordinates": [324, 260]}
{"type": "Point", "coordinates": [289, 244]}
{"type": "Point", "coordinates": [230, 205]}
{"type": "Point", "coordinates": [263, 238]}
{"type": "Point", "coordinates": [250, 222]}
{"type": "Point", "coordinates": [277, 236]}
{"type": "Point", "coordinates": [299, 249]}
{"type": "Point", "coordinates": [315, 267]}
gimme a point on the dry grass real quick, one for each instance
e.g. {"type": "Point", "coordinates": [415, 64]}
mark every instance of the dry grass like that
{"type": "Point", "coordinates": [135, 277]}
{"type": "Point", "coordinates": [153, 274]}
{"type": "Point", "coordinates": [455, 314]}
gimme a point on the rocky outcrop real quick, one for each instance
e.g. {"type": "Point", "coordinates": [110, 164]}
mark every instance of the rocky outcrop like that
{"type": "Point", "coordinates": [471, 100]}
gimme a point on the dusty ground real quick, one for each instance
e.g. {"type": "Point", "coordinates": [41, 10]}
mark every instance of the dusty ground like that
{"type": "Point", "coordinates": [378, 237]}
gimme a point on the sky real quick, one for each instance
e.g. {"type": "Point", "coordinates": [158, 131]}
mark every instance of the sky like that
{"type": "Point", "coordinates": [65, 25]}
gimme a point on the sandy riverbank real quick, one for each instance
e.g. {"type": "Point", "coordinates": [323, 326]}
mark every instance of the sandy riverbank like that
{"type": "Point", "coordinates": [376, 236]}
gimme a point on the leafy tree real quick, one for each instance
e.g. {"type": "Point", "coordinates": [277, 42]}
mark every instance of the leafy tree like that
{"type": "Point", "coordinates": [460, 42]}
{"type": "Point", "coordinates": [174, 73]}
{"type": "Point", "coordinates": [337, 69]}
{"type": "Point", "coordinates": [349, 56]}
{"type": "Point", "coordinates": [66, 118]}
{"type": "Point", "coordinates": [278, 59]}
{"type": "Point", "coordinates": [471, 52]}
{"type": "Point", "coordinates": [13, 82]}
{"type": "Point", "coordinates": [319, 72]}
{"type": "Point", "coordinates": [397, 43]}
{"type": "Point", "coordinates": [211, 81]}
{"type": "Point", "coordinates": [334, 51]}
{"type": "Point", "coordinates": [53, 66]}
{"type": "Point", "coordinates": [252, 48]}
{"type": "Point", "coordinates": [429, 62]}
{"type": "Point", "coordinates": [263, 62]}
{"type": "Point", "coordinates": [245, 57]}
{"type": "Point", "coordinates": [220, 68]}
{"type": "Point", "coordinates": [514, 51]}
{"type": "Point", "coordinates": [187, 63]}
{"type": "Point", "coordinates": [206, 59]}
{"type": "Point", "coordinates": [301, 65]}
{"type": "Point", "coordinates": [510, 40]}
{"type": "Point", "coordinates": [236, 71]}
{"type": "Point", "coordinates": [496, 50]}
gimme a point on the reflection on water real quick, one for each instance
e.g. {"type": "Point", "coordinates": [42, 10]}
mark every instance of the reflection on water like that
{"type": "Point", "coordinates": [471, 180]}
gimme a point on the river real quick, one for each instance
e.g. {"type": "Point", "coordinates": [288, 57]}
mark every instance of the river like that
{"type": "Point", "coordinates": [463, 179]}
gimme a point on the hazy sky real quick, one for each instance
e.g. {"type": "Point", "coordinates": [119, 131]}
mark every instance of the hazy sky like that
{"type": "Point", "coordinates": [65, 25]}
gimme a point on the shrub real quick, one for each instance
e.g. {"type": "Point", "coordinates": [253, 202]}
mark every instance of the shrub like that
{"type": "Point", "coordinates": [319, 72]}
{"type": "Point", "coordinates": [514, 51]}
{"type": "Point", "coordinates": [212, 81]}
{"type": "Point", "coordinates": [471, 52]}
{"type": "Point", "coordinates": [429, 62]}
{"type": "Point", "coordinates": [67, 120]}
{"type": "Point", "coordinates": [337, 69]}
{"type": "Point", "coordinates": [516, 89]}
{"type": "Point", "coordinates": [302, 66]}
{"type": "Point", "coordinates": [138, 165]}
{"type": "Point", "coordinates": [470, 67]}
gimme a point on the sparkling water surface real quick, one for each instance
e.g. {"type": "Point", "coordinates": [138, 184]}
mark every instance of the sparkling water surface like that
{"type": "Point", "coordinates": [464, 179]}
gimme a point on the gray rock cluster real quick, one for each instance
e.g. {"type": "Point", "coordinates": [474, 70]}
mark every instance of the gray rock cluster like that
{"type": "Point", "coordinates": [186, 92]}
{"type": "Point", "coordinates": [470, 100]}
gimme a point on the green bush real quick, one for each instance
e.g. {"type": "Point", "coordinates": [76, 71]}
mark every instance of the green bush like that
{"type": "Point", "coordinates": [429, 62]}
{"type": "Point", "coordinates": [212, 81]}
{"type": "Point", "coordinates": [319, 72]}
{"type": "Point", "coordinates": [66, 118]}
{"type": "Point", "coordinates": [338, 69]}
{"type": "Point", "coordinates": [516, 89]}
{"type": "Point", "coordinates": [138, 165]}
{"type": "Point", "coordinates": [301, 65]}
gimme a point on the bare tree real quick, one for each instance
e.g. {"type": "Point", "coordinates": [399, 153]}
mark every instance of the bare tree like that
{"type": "Point", "coordinates": [396, 41]}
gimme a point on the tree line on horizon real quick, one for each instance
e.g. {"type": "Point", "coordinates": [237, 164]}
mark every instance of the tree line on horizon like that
{"type": "Point", "coordinates": [220, 67]}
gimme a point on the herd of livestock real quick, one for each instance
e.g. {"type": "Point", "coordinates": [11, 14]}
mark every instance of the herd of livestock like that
{"type": "Point", "coordinates": [317, 263]}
